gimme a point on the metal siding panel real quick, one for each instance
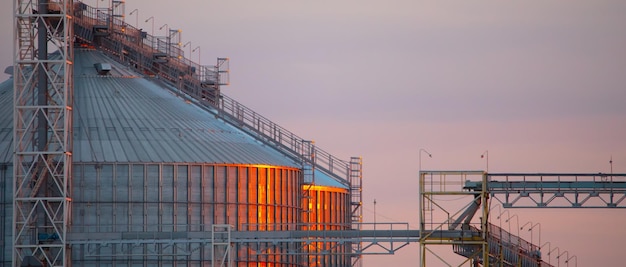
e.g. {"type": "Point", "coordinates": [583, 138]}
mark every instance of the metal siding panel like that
{"type": "Point", "coordinates": [153, 181]}
{"type": "Point", "coordinates": [136, 218]}
{"type": "Point", "coordinates": [167, 183]}
{"type": "Point", "coordinates": [167, 216]}
{"type": "Point", "coordinates": [182, 180]}
{"type": "Point", "coordinates": [195, 198]}
{"type": "Point", "coordinates": [138, 184]}
{"type": "Point", "coordinates": [207, 191]}
{"type": "Point", "coordinates": [121, 217]}
{"type": "Point", "coordinates": [151, 215]}
{"type": "Point", "coordinates": [105, 189]}
{"type": "Point", "coordinates": [122, 186]}
{"type": "Point", "coordinates": [180, 216]}
{"type": "Point", "coordinates": [105, 216]}
{"type": "Point", "coordinates": [89, 180]}
{"type": "Point", "coordinates": [195, 184]}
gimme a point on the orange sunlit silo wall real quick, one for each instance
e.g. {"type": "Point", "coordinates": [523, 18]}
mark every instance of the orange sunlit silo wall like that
{"type": "Point", "coordinates": [326, 208]}
{"type": "Point", "coordinates": [181, 199]}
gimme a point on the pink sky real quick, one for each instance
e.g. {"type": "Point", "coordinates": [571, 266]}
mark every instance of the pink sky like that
{"type": "Point", "coordinates": [540, 84]}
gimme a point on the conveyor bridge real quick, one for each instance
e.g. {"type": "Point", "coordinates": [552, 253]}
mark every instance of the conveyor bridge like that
{"type": "Point", "coordinates": [555, 190]}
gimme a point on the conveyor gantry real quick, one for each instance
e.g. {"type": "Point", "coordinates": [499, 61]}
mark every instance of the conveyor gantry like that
{"type": "Point", "coordinates": [555, 190]}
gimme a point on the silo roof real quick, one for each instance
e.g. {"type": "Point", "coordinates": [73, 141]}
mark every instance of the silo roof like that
{"type": "Point", "coordinates": [321, 178]}
{"type": "Point", "coordinates": [123, 117]}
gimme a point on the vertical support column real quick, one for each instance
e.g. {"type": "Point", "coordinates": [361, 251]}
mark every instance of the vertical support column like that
{"type": "Point", "coordinates": [422, 218]}
{"type": "Point", "coordinates": [220, 239]}
{"type": "Point", "coordinates": [484, 219]}
{"type": "Point", "coordinates": [355, 174]}
{"type": "Point", "coordinates": [42, 163]}
{"type": "Point", "coordinates": [118, 12]}
{"type": "Point", "coordinates": [308, 173]}
{"type": "Point", "coordinates": [310, 222]}
{"type": "Point", "coordinates": [222, 77]}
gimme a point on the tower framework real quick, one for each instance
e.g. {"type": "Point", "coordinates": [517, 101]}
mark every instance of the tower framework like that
{"type": "Point", "coordinates": [43, 88]}
{"type": "Point", "coordinates": [445, 206]}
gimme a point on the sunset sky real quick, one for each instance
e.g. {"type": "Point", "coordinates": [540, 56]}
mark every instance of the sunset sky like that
{"type": "Point", "coordinates": [541, 85]}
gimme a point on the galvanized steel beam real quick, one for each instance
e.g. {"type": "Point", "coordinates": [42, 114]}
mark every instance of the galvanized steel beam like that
{"type": "Point", "coordinates": [375, 242]}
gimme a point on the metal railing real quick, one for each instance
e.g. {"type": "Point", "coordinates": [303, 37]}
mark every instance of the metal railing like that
{"type": "Point", "coordinates": [505, 249]}
{"type": "Point", "coordinates": [89, 17]}
{"type": "Point", "coordinates": [285, 140]}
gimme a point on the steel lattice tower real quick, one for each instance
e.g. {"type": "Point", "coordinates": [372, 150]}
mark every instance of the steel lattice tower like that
{"type": "Point", "coordinates": [43, 89]}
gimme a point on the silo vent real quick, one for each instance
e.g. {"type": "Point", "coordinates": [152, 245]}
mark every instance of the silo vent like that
{"type": "Point", "coordinates": [9, 70]}
{"type": "Point", "coordinates": [102, 68]}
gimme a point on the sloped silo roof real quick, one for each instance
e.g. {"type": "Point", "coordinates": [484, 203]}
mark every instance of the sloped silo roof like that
{"type": "Point", "coordinates": [122, 117]}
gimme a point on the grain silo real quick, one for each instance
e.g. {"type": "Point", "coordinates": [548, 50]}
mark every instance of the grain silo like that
{"type": "Point", "coordinates": [156, 156]}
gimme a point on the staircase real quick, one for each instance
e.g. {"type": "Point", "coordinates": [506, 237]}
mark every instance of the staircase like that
{"type": "Point", "coordinates": [505, 250]}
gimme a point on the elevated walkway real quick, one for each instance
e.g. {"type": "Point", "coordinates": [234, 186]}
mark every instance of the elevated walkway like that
{"type": "Point", "coordinates": [382, 238]}
{"type": "Point", "coordinates": [377, 239]}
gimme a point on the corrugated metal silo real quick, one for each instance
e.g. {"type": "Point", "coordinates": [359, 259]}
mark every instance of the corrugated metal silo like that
{"type": "Point", "coordinates": [148, 163]}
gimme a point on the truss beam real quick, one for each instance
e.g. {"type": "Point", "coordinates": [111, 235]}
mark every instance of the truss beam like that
{"type": "Point", "coordinates": [555, 190]}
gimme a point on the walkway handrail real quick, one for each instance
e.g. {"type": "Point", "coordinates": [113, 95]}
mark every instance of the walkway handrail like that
{"type": "Point", "coordinates": [285, 140]}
